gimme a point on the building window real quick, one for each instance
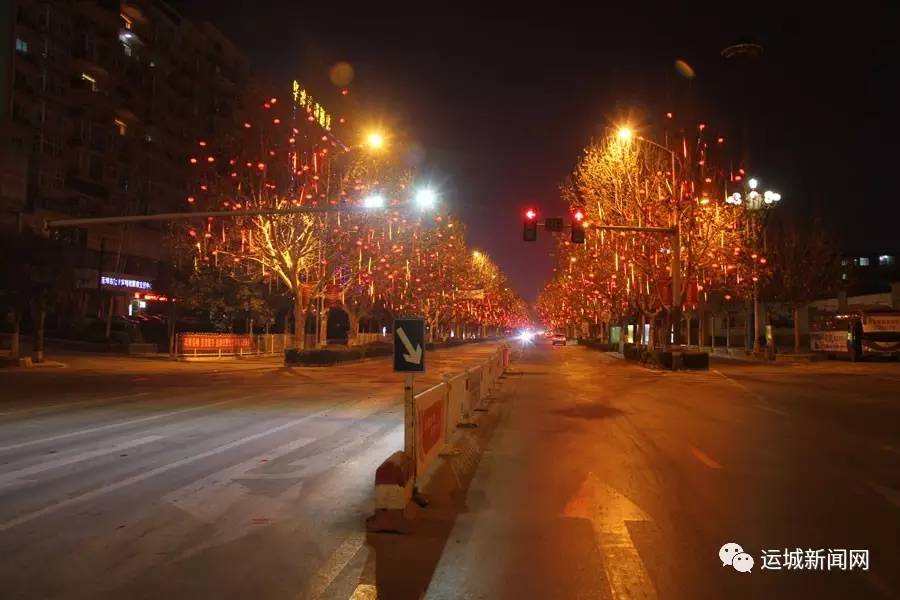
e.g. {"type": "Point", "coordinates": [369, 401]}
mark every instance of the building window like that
{"type": "Point", "coordinates": [21, 46]}
{"type": "Point", "coordinates": [91, 81]}
{"type": "Point", "coordinates": [121, 126]}
{"type": "Point", "coordinates": [886, 260]}
{"type": "Point", "coordinates": [864, 261]}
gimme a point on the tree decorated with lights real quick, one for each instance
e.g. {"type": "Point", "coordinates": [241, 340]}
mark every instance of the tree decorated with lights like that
{"type": "Point", "coordinates": [628, 181]}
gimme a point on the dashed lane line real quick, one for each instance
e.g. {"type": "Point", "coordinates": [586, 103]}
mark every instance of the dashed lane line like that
{"type": "Point", "coordinates": [889, 494]}
{"type": "Point", "coordinates": [49, 407]}
{"type": "Point", "coordinates": [63, 436]}
{"type": "Point", "coordinates": [14, 478]}
{"type": "Point", "coordinates": [705, 459]}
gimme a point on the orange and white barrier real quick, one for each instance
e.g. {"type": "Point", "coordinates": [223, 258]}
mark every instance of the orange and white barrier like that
{"type": "Point", "coordinates": [438, 412]}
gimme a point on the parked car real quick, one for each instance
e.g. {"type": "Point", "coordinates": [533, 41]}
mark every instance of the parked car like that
{"type": "Point", "coordinates": [559, 339]}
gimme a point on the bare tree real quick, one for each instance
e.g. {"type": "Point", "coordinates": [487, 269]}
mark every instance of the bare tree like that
{"type": "Point", "coordinates": [806, 265]}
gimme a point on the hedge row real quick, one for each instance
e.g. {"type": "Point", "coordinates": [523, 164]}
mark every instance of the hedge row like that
{"type": "Point", "coordinates": [595, 344]}
{"type": "Point", "coordinates": [330, 356]}
{"type": "Point", "coordinates": [667, 359]}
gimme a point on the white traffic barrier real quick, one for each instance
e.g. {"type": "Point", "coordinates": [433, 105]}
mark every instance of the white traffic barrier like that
{"type": "Point", "coordinates": [457, 413]}
{"type": "Point", "coordinates": [431, 424]}
{"type": "Point", "coordinates": [475, 377]}
{"type": "Point", "coordinates": [437, 412]}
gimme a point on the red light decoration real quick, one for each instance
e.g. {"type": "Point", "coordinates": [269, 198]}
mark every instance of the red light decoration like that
{"type": "Point", "coordinates": [721, 140]}
{"type": "Point", "coordinates": [668, 115]}
{"type": "Point", "coordinates": [276, 121]}
{"type": "Point", "coordinates": [210, 159]}
{"type": "Point", "coordinates": [191, 199]}
{"type": "Point", "coordinates": [701, 126]}
{"type": "Point", "coordinates": [247, 125]}
{"type": "Point", "coordinates": [193, 161]}
{"type": "Point", "coordinates": [202, 144]}
{"type": "Point", "coordinates": [345, 92]}
{"type": "Point", "coordinates": [273, 100]}
{"type": "Point", "coordinates": [261, 166]}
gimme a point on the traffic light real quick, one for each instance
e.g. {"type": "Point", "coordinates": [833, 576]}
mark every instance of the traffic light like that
{"type": "Point", "coordinates": [529, 233]}
{"type": "Point", "coordinates": [578, 227]}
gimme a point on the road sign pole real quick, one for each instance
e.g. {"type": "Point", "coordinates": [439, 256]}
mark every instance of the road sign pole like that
{"type": "Point", "coordinates": [409, 418]}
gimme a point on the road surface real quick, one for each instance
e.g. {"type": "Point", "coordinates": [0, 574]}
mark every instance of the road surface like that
{"type": "Point", "coordinates": [609, 480]}
{"type": "Point", "coordinates": [124, 478]}
{"type": "Point", "coordinates": [594, 479]}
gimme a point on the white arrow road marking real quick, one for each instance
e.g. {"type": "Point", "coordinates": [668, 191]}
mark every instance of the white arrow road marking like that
{"type": "Point", "coordinates": [209, 498]}
{"type": "Point", "coordinates": [52, 508]}
{"type": "Point", "coordinates": [608, 511]}
{"type": "Point", "coordinates": [413, 355]}
{"type": "Point", "coordinates": [15, 478]}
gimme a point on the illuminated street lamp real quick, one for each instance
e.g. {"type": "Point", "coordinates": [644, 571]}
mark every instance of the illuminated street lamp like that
{"type": "Point", "coordinates": [625, 134]}
{"type": "Point", "coordinates": [426, 198]}
{"type": "Point", "coordinates": [756, 205]}
{"type": "Point", "coordinates": [375, 140]}
{"type": "Point", "coordinates": [374, 201]}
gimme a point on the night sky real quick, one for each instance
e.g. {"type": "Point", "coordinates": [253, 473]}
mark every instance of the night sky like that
{"type": "Point", "coordinates": [503, 104]}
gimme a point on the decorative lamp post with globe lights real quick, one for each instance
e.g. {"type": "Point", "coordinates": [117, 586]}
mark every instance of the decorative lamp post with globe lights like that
{"type": "Point", "coordinates": [757, 206]}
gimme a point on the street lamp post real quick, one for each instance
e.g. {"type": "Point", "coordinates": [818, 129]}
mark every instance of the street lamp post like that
{"type": "Point", "coordinates": [755, 204]}
{"type": "Point", "coordinates": [625, 134]}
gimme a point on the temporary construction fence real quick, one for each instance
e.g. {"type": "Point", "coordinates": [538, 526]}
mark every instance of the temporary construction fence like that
{"type": "Point", "coordinates": [442, 408]}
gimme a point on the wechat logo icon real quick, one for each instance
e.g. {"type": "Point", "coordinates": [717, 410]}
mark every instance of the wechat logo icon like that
{"type": "Point", "coordinates": [733, 555]}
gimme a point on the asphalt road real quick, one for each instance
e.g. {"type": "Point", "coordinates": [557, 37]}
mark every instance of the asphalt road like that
{"type": "Point", "coordinates": [593, 478]}
{"type": "Point", "coordinates": [124, 478]}
{"type": "Point", "coordinates": [608, 480]}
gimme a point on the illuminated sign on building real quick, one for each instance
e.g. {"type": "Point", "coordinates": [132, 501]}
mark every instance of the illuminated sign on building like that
{"type": "Point", "coordinates": [318, 112]}
{"type": "Point", "coordinates": [121, 282]}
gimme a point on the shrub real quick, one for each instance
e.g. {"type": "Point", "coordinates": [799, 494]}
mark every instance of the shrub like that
{"type": "Point", "coordinates": [294, 356]}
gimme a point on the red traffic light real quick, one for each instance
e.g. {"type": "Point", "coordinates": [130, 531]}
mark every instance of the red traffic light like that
{"type": "Point", "coordinates": [579, 216]}
{"type": "Point", "coordinates": [530, 214]}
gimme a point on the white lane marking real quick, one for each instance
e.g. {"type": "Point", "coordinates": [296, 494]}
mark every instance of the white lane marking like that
{"type": "Point", "coordinates": [13, 478]}
{"type": "Point", "coordinates": [771, 409]}
{"type": "Point", "coordinates": [890, 494]}
{"type": "Point", "coordinates": [762, 405]}
{"type": "Point", "coordinates": [52, 508]}
{"type": "Point", "coordinates": [705, 459]}
{"type": "Point", "coordinates": [737, 384]}
{"type": "Point", "coordinates": [75, 403]}
{"type": "Point", "coordinates": [609, 511]}
{"type": "Point", "coordinates": [62, 436]}
{"type": "Point", "coordinates": [336, 563]}
{"type": "Point", "coordinates": [209, 498]}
